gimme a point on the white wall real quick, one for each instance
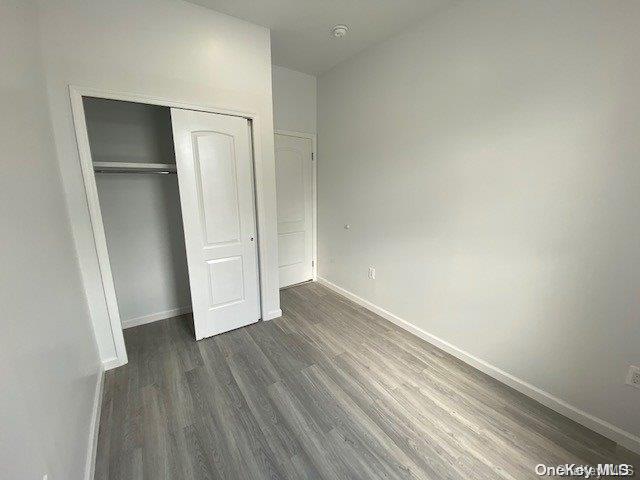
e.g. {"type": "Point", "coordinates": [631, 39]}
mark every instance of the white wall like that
{"type": "Point", "coordinates": [49, 364]}
{"type": "Point", "coordinates": [128, 132]}
{"type": "Point", "coordinates": [165, 49]}
{"type": "Point", "coordinates": [294, 100]}
{"type": "Point", "coordinates": [487, 162]}
{"type": "Point", "coordinates": [143, 226]}
{"type": "Point", "coordinates": [141, 213]}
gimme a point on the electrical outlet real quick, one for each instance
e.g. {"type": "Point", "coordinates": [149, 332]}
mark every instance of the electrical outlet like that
{"type": "Point", "coordinates": [633, 377]}
{"type": "Point", "coordinates": [372, 273]}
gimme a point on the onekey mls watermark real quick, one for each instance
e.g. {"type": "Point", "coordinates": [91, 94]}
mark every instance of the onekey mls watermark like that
{"type": "Point", "coordinates": [601, 470]}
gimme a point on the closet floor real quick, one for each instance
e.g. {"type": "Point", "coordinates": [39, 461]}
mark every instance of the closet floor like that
{"type": "Point", "coordinates": [330, 390]}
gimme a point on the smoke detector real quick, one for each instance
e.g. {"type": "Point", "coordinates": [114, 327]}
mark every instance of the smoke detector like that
{"type": "Point", "coordinates": [339, 31]}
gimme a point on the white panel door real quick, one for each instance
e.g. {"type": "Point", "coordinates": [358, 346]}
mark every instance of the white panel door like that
{"type": "Point", "coordinates": [215, 176]}
{"type": "Point", "coordinates": [294, 189]}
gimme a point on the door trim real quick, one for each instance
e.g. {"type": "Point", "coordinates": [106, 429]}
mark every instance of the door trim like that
{"type": "Point", "coordinates": [76, 95]}
{"type": "Point", "coordinates": [314, 193]}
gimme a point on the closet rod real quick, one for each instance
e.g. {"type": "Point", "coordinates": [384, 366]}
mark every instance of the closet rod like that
{"type": "Point", "coordinates": [134, 171]}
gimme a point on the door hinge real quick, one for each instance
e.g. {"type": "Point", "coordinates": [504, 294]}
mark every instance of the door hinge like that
{"type": "Point", "coordinates": [313, 156]}
{"type": "Point", "coordinates": [313, 264]}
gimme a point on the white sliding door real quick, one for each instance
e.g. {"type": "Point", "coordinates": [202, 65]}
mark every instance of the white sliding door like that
{"type": "Point", "coordinates": [215, 176]}
{"type": "Point", "coordinates": [294, 188]}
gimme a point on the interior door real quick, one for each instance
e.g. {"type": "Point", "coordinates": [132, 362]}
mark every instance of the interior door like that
{"type": "Point", "coordinates": [215, 176]}
{"type": "Point", "coordinates": [294, 189]}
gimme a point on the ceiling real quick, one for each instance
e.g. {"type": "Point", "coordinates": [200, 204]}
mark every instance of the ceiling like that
{"type": "Point", "coordinates": [301, 29]}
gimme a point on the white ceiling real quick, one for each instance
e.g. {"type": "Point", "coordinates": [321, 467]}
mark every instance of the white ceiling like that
{"type": "Point", "coordinates": [301, 29]}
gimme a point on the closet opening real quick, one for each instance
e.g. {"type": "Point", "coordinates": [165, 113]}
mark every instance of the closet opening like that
{"type": "Point", "coordinates": [135, 172]}
{"type": "Point", "coordinates": [171, 196]}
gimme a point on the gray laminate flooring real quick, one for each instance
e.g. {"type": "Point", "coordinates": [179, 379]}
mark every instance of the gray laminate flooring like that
{"type": "Point", "coordinates": [328, 391]}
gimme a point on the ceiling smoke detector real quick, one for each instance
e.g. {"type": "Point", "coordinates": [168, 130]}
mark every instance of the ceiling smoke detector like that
{"type": "Point", "coordinates": [339, 31]}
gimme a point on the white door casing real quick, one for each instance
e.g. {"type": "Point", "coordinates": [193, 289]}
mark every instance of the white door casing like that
{"type": "Point", "coordinates": [294, 190]}
{"type": "Point", "coordinates": [215, 177]}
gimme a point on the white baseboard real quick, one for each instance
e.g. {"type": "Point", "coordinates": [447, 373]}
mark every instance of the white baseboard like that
{"type": "Point", "coordinates": [272, 314]}
{"type": "Point", "coordinates": [111, 363]}
{"type": "Point", "coordinates": [92, 447]}
{"type": "Point", "coordinates": [624, 438]}
{"type": "Point", "coordinates": [154, 317]}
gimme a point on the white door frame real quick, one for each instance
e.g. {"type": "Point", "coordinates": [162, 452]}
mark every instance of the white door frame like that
{"type": "Point", "coordinates": [314, 195]}
{"type": "Point", "coordinates": [86, 164]}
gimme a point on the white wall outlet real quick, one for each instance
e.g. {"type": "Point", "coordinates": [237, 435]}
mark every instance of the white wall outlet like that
{"type": "Point", "coordinates": [633, 377]}
{"type": "Point", "coordinates": [372, 273]}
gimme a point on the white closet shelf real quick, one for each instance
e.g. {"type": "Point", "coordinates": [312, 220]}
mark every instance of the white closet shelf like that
{"type": "Point", "coordinates": [134, 167]}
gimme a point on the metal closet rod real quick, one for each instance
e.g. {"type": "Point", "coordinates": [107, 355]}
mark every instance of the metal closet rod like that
{"type": "Point", "coordinates": [161, 172]}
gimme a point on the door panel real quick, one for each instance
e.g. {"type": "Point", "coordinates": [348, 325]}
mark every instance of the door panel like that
{"type": "Point", "coordinates": [291, 248]}
{"type": "Point", "coordinates": [294, 189]}
{"type": "Point", "coordinates": [226, 281]}
{"type": "Point", "coordinates": [290, 182]}
{"type": "Point", "coordinates": [213, 160]}
{"type": "Point", "coordinates": [217, 180]}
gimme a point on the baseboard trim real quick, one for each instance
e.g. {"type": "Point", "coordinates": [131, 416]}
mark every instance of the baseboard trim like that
{"type": "Point", "coordinates": [622, 437]}
{"type": "Point", "coordinates": [155, 317]}
{"type": "Point", "coordinates": [272, 314]}
{"type": "Point", "coordinates": [92, 447]}
{"type": "Point", "coordinates": [111, 363]}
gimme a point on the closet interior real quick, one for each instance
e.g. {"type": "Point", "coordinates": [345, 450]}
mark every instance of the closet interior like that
{"type": "Point", "coordinates": [133, 156]}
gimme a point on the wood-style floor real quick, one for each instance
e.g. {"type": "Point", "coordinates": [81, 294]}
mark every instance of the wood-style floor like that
{"type": "Point", "coordinates": [329, 390]}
